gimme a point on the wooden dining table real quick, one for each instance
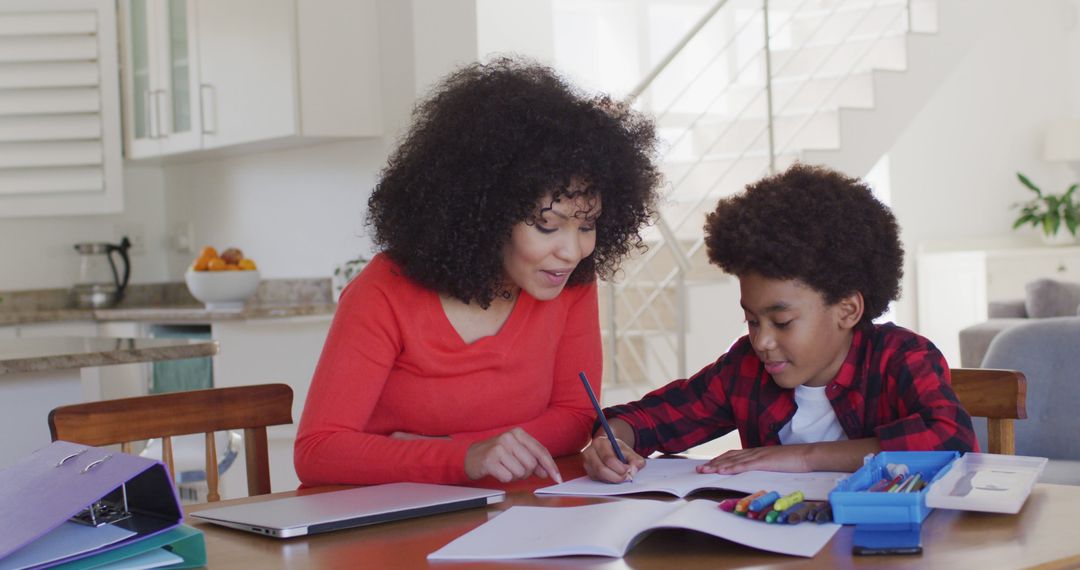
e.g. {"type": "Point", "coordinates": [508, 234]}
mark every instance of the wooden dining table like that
{"type": "Point", "coordinates": [1045, 534]}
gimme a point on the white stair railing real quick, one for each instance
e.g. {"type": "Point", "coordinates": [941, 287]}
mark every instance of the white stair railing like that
{"type": "Point", "coordinates": [646, 307]}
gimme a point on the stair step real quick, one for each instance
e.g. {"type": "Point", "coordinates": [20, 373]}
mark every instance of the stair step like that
{"type": "Point", "coordinates": [848, 20]}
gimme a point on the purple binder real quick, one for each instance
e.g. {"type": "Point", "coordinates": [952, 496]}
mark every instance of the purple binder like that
{"type": "Point", "coordinates": [55, 483]}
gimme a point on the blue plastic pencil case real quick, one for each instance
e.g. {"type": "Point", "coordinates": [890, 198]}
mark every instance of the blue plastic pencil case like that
{"type": "Point", "coordinates": [853, 504]}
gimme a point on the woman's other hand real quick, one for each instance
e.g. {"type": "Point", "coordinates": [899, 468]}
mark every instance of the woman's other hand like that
{"type": "Point", "coordinates": [510, 456]}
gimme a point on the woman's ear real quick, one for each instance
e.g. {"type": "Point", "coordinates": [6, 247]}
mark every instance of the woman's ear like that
{"type": "Point", "coordinates": [850, 310]}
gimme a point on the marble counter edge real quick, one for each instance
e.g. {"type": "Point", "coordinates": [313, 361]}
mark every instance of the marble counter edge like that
{"type": "Point", "coordinates": [188, 314]}
{"type": "Point", "coordinates": [119, 355]}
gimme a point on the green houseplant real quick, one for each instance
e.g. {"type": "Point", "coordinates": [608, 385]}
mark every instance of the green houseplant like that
{"type": "Point", "coordinates": [1049, 211]}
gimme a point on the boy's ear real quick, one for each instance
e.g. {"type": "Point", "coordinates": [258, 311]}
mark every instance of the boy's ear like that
{"type": "Point", "coordinates": [850, 310]}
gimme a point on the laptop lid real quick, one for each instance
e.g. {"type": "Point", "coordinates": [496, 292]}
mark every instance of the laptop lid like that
{"type": "Point", "coordinates": [324, 512]}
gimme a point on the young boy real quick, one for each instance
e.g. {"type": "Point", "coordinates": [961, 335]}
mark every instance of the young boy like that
{"type": "Point", "coordinates": [815, 385]}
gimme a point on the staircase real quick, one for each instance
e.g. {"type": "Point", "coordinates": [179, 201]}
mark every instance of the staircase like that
{"type": "Point", "coordinates": [833, 82]}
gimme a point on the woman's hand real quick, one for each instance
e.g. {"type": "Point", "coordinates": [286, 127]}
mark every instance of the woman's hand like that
{"type": "Point", "coordinates": [602, 464]}
{"type": "Point", "coordinates": [510, 456]}
{"type": "Point", "coordinates": [786, 458]}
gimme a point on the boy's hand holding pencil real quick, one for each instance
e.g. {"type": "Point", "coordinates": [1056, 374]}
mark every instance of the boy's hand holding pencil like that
{"type": "Point", "coordinates": [608, 458]}
{"type": "Point", "coordinates": [602, 464]}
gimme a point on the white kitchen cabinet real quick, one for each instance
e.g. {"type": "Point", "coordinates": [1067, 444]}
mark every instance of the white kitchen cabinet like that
{"type": "Point", "coordinates": [160, 77]}
{"type": "Point", "coordinates": [261, 73]}
{"type": "Point", "coordinates": [63, 328]}
{"type": "Point", "coordinates": [59, 108]}
{"type": "Point", "coordinates": [956, 283]}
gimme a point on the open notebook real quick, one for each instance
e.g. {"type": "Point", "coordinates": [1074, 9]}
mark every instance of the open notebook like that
{"type": "Point", "coordinates": [678, 477]}
{"type": "Point", "coordinates": [336, 510]}
{"type": "Point", "coordinates": [610, 529]}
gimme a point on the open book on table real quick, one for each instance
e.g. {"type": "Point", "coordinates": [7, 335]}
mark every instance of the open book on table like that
{"type": "Point", "coordinates": [611, 529]}
{"type": "Point", "coordinates": [678, 477]}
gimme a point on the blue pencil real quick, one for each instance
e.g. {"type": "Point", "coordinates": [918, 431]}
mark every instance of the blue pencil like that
{"type": "Point", "coordinates": [603, 420]}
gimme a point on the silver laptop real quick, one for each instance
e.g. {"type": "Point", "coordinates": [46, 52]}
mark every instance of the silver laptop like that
{"type": "Point", "coordinates": [336, 510]}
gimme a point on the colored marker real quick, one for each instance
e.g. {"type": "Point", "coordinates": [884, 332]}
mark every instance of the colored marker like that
{"type": "Point", "coordinates": [901, 486]}
{"type": "Point", "coordinates": [893, 482]}
{"type": "Point", "coordinates": [771, 516]}
{"type": "Point", "coordinates": [744, 504]}
{"type": "Point", "coordinates": [824, 515]}
{"type": "Point", "coordinates": [728, 505]}
{"type": "Point", "coordinates": [910, 487]}
{"type": "Point", "coordinates": [796, 514]}
{"type": "Point", "coordinates": [763, 502]}
{"type": "Point", "coordinates": [787, 501]}
{"type": "Point", "coordinates": [879, 486]}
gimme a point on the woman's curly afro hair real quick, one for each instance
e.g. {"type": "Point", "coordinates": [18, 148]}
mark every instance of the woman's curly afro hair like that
{"type": "Point", "coordinates": [816, 226]}
{"type": "Point", "coordinates": [486, 145]}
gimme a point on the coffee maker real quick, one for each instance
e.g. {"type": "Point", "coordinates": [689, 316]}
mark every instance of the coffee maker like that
{"type": "Point", "coordinates": [100, 284]}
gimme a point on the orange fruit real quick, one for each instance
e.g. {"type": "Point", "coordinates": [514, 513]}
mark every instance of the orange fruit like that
{"type": "Point", "coordinates": [216, 264]}
{"type": "Point", "coordinates": [200, 264]}
{"type": "Point", "coordinates": [208, 252]}
{"type": "Point", "coordinates": [247, 264]}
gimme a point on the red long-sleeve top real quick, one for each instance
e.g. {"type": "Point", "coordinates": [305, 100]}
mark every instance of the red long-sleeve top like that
{"type": "Point", "coordinates": [393, 362]}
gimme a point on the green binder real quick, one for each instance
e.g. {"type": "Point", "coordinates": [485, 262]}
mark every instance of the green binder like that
{"type": "Point", "coordinates": [184, 541]}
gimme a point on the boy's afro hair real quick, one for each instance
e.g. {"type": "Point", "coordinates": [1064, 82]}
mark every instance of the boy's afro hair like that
{"type": "Point", "coordinates": [814, 225]}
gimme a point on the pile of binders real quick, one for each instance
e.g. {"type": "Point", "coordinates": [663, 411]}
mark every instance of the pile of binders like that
{"type": "Point", "coordinates": [75, 506]}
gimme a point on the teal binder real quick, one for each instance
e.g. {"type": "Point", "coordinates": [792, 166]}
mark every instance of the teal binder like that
{"type": "Point", "coordinates": [183, 541]}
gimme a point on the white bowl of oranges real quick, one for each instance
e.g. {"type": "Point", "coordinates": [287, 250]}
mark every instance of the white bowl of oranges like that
{"type": "Point", "coordinates": [222, 282]}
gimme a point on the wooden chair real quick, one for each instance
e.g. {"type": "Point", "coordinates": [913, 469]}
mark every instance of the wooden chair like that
{"type": "Point", "coordinates": [127, 420]}
{"type": "Point", "coordinates": [1000, 396]}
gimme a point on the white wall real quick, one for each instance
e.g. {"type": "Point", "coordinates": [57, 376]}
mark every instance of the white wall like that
{"type": "Point", "coordinates": [37, 253]}
{"type": "Point", "coordinates": [515, 27]}
{"type": "Point", "coordinates": [953, 169]}
{"type": "Point", "coordinates": [296, 212]}
{"type": "Point", "coordinates": [300, 212]}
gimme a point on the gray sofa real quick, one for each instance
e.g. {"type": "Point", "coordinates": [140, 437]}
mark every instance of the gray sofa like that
{"type": "Point", "coordinates": [1039, 336]}
{"type": "Point", "coordinates": [1047, 351]}
{"type": "Point", "coordinates": [1044, 298]}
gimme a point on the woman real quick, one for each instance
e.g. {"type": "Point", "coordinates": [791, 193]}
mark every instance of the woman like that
{"type": "Point", "coordinates": [454, 355]}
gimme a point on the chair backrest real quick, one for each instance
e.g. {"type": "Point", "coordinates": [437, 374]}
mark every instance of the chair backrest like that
{"type": "Point", "coordinates": [123, 421]}
{"type": "Point", "coordinates": [1000, 396]}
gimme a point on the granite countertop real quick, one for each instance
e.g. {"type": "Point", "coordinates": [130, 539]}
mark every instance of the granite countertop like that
{"type": "Point", "coordinates": [171, 303]}
{"type": "Point", "coordinates": [60, 353]}
{"type": "Point", "coordinates": [168, 314]}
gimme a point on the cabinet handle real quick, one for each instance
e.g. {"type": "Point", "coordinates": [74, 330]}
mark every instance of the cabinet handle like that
{"type": "Point", "coordinates": [148, 104]}
{"type": "Point", "coordinates": [160, 94]}
{"type": "Point", "coordinates": [208, 104]}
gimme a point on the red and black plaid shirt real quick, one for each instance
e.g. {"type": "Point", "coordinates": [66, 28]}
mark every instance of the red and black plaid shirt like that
{"type": "Point", "coordinates": [893, 385]}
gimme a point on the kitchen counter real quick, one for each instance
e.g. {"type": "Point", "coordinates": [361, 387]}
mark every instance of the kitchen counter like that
{"type": "Point", "coordinates": [40, 374]}
{"type": "Point", "coordinates": [61, 353]}
{"type": "Point", "coordinates": [168, 314]}
{"type": "Point", "coordinates": [170, 303]}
